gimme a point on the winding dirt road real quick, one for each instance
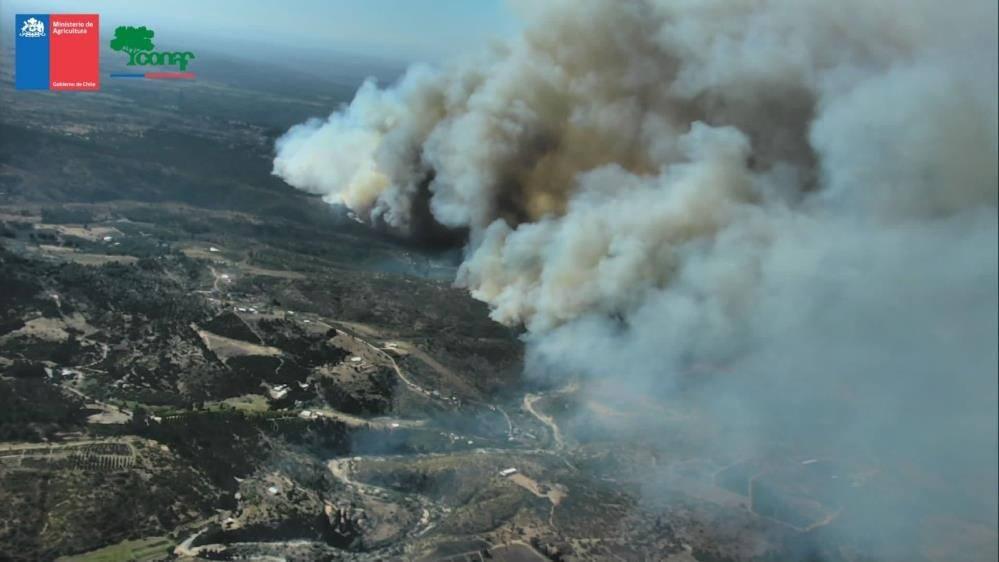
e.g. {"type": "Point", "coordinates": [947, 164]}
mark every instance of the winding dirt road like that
{"type": "Point", "coordinates": [529, 400]}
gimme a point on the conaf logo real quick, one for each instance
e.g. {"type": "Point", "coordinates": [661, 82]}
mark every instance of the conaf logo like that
{"type": "Point", "coordinates": [32, 28]}
{"type": "Point", "coordinates": [137, 42]}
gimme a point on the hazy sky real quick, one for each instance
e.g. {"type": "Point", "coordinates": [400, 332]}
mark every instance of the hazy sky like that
{"type": "Point", "coordinates": [409, 29]}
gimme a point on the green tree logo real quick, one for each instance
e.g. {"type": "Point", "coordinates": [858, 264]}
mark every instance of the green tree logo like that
{"type": "Point", "coordinates": [132, 40]}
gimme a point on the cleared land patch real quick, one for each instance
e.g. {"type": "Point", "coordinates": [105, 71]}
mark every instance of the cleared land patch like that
{"type": "Point", "coordinates": [140, 550]}
{"type": "Point", "coordinates": [227, 347]}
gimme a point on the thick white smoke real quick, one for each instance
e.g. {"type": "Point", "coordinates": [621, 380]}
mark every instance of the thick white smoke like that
{"type": "Point", "coordinates": [804, 191]}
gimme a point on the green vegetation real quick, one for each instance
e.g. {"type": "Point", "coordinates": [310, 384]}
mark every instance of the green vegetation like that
{"type": "Point", "coordinates": [249, 403]}
{"type": "Point", "coordinates": [34, 409]}
{"type": "Point", "coordinates": [141, 550]}
{"type": "Point", "coordinates": [83, 341]}
{"type": "Point", "coordinates": [50, 508]}
{"type": "Point", "coordinates": [66, 215]}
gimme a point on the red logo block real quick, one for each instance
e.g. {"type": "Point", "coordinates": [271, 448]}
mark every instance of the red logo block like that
{"type": "Point", "coordinates": [74, 52]}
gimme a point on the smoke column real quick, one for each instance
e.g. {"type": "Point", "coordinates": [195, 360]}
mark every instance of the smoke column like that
{"type": "Point", "coordinates": [802, 192]}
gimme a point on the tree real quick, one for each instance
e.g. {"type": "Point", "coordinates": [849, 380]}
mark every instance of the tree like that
{"type": "Point", "coordinates": [140, 417]}
{"type": "Point", "coordinates": [132, 40]}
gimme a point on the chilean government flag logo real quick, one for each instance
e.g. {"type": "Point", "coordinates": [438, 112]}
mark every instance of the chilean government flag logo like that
{"type": "Point", "coordinates": [57, 52]}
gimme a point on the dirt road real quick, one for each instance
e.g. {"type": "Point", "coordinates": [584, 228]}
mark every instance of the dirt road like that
{"type": "Point", "coordinates": [529, 400]}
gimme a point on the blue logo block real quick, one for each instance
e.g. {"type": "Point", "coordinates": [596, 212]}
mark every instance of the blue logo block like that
{"type": "Point", "coordinates": [31, 47]}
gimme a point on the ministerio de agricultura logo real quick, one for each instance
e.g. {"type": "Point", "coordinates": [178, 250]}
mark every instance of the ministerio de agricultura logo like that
{"type": "Point", "coordinates": [57, 52]}
{"type": "Point", "coordinates": [137, 43]}
{"type": "Point", "coordinates": [32, 28]}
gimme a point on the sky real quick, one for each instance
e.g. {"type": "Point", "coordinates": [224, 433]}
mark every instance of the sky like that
{"type": "Point", "coordinates": [407, 30]}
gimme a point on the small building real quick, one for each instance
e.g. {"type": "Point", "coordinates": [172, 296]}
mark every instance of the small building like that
{"type": "Point", "coordinates": [508, 472]}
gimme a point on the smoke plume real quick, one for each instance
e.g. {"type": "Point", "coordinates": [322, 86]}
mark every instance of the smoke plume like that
{"type": "Point", "coordinates": [802, 193]}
